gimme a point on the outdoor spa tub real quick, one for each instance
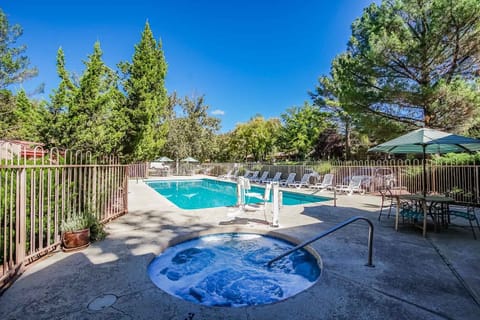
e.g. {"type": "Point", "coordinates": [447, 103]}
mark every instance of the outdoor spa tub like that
{"type": "Point", "coordinates": [230, 270]}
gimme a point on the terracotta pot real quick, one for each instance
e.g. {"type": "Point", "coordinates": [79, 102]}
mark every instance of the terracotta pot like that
{"type": "Point", "coordinates": [75, 240]}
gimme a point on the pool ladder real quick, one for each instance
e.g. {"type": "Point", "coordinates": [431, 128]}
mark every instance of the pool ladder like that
{"type": "Point", "coordinates": [326, 233]}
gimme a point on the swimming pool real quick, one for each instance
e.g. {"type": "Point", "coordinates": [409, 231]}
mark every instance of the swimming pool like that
{"type": "Point", "coordinates": [208, 193]}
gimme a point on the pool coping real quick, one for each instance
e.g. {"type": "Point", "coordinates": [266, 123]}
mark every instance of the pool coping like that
{"type": "Point", "coordinates": [290, 191]}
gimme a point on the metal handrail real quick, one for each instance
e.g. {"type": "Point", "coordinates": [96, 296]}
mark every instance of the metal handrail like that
{"type": "Point", "coordinates": [331, 230]}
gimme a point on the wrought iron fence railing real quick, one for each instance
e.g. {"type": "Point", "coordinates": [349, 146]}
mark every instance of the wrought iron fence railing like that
{"type": "Point", "coordinates": [39, 189]}
{"type": "Point", "coordinates": [457, 179]}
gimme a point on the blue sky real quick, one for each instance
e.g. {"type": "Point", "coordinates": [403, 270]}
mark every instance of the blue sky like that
{"type": "Point", "coordinates": [247, 57]}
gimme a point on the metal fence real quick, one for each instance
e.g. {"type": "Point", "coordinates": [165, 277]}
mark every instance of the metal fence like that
{"type": "Point", "coordinates": [39, 189]}
{"type": "Point", "coordinates": [138, 170]}
{"type": "Point", "coordinates": [458, 180]}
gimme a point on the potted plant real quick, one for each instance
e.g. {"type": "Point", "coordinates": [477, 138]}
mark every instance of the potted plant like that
{"type": "Point", "coordinates": [79, 229]}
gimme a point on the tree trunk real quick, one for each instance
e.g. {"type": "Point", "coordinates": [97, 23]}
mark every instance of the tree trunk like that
{"type": "Point", "coordinates": [348, 140]}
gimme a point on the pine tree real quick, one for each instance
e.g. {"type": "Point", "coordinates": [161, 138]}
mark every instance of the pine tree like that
{"type": "Point", "coordinates": [28, 118]}
{"type": "Point", "coordinates": [146, 99]}
{"type": "Point", "coordinates": [414, 62]}
{"type": "Point", "coordinates": [14, 66]}
{"type": "Point", "coordinates": [53, 129]}
{"type": "Point", "coordinates": [94, 120]}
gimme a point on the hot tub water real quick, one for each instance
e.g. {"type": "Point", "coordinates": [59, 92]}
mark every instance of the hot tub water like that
{"type": "Point", "coordinates": [230, 270]}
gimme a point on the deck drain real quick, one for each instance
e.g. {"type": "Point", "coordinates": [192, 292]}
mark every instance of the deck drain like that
{"type": "Point", "coordinates": [102, 302]}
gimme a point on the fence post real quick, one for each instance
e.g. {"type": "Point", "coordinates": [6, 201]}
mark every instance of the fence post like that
{"type": "Point", "coordinates": [94, 189]}
{"type": "Point", "coordinates": [125, 189]}
{"type": "Point", "coordinates": [334, 196]}
{"type": "Point", "coordinates": [21, 211]}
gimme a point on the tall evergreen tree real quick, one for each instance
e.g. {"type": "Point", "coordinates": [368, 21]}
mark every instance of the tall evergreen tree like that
{"type": "Point", "coordinates": [414, 62]}
{"type": "Point", "coordinates": [146, 99]}
{"type": "Point", "coordinates": [354, 124]}
{"type": "Point", "coordinates": [94, 120]}
{"type": "Point", "coordinates": [8, 124]}
{"type": "Point", "coordinates": [14, 69]}
{"type": "Point", "coordinates": [53, 129]}
{"type": "Point", "coordinates": [14, 65]}
{"type": "Point", "coordinates": [28, 117]}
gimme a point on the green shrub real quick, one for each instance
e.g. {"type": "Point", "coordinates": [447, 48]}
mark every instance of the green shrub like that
{"type": "Point", "coordinates": [457, 158]}
{"type": "Point", "coordinates": [323, 167]}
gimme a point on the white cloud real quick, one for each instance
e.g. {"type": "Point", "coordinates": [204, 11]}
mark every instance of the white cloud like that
{"type": "Point", "coordinates": [218, 112]}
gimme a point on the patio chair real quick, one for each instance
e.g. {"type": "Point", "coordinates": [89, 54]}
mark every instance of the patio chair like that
{"type": "Point", "coordinates": [304, 182]}
{"type": "Point", "coordinates": [355, 185]}
{"type": "Point", "coordinates": [227, 175]}
{"type": "Point", "coordinates": [290, 179]}
{"type": "Point", "coordinates": [262, 177]}
{"type": "Point", "coordinates": [465, 212]}
{"type": "Point", "coordinates": [327, 183]}
{"type": "Point", "coordinates": [276, 178]}
{"type": "Point", "coordinates": [387, 201]}
{"type": "Point", "coordinates": [411, 212]}
{"type": "Point", "coordinates": [247, 174]}
{"type": "Point", "coordinates": [253, 176]}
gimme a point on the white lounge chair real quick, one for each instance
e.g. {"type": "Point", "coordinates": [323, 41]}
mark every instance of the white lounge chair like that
{"type": "Point", "coordinates": [247, 174]}
{"type": "Point", "coordinates": [253, 176]}
{"type": "Point", "coordinates": [304, 182]}
{"type": "Point", "coordinates": [290, 179]}
{"type": "Point", "coordinates": [355, 185]}
{"type": "Point", "coordinates": [276, 178]}
{"type": "Point", "coordinates": [227, 175]}
{"type": "Point", "coordinates": [159, 168]}
{"type": "Point", "coordinates": [262, 177]}
{"type": "Point", "coordinates": [327, 183]}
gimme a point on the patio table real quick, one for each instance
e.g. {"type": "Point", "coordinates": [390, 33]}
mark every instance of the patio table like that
{"type": "Point", "coordinates": [427, 202]}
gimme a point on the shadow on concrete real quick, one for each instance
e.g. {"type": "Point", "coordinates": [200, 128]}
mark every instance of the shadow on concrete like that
{"type": "Point", "coordinates": [413, 277]}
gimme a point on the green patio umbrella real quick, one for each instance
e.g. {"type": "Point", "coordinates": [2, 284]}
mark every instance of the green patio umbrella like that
{"type": "Point", "coordinates": [425, 140]}
{"type": "Point", "coordinates": [163, 159]}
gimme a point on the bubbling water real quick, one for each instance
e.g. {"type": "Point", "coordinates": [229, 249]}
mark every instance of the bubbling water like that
{"type": "Point", "coordinates": [231, 270]}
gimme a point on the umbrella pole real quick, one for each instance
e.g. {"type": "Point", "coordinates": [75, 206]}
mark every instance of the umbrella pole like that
{"type": "Point", "coordinates": [424, 171]}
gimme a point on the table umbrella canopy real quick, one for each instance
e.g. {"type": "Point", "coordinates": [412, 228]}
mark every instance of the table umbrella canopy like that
{"type": "Point", "coordinates": [189, 159]}
{"type": "Point", "coordinates": [425, 140]}
{"type": "Point", "coordinates": [163, 159]}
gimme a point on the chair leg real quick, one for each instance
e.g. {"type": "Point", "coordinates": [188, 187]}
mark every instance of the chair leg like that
{"type": "Point", "coordinates": [473, 229]}
{"type": "Point", "coordinates": [478, 225]}
{"type": "Point", "coordinates": [389, 211]}
{"type": "Point", "coordinates": [381, 208]}
{"type": "Point", "coordinates": [471, 224]}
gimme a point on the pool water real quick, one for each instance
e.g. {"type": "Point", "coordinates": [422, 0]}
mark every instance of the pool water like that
{"type": "Point", "coordinates": [231, 270]}
{"type": "Point", "coordinates": [208, 193]}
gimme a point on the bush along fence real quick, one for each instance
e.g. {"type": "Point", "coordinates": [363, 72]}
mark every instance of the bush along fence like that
{"type": "Point", "coordinates": [40, 189]}
{"type": "Point", "coordinates": [459, 179]}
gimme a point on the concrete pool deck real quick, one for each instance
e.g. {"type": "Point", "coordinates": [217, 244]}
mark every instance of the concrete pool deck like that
{"type": "Point", "coordinates": [437, 277]}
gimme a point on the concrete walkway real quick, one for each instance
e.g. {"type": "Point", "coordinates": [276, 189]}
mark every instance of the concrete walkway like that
{"type": "Point", "coordinates": [436, 277]}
